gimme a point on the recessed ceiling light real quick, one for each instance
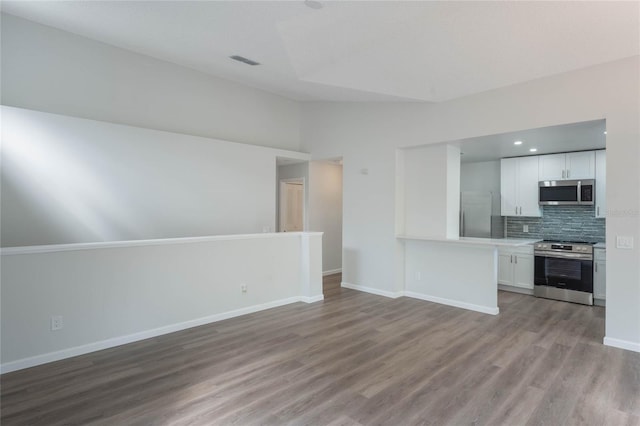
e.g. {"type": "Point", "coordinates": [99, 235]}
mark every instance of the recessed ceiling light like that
{"type": "Point", "coordinates": [605, 132]}
{"type": "Point", "coordinates": [533, 149]}
{"type": "Point", "coordinates": [313, 4]}
{"type": "Point", "coordinates": [517, 143]}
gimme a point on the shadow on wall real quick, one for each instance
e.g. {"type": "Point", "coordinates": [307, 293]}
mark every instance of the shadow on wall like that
{"type": "Point", "coordinates": [350, 261]}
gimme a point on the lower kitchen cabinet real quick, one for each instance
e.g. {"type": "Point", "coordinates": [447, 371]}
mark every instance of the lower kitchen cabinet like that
{"type": "Point", "coordinates": [599, 276]}
{"type": "Point", "coordinates": [515, 267]}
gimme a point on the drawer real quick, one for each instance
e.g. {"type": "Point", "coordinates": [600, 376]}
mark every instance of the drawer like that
{"type": "Point", "coordinates": [600, 255]}
{"type": "Point", "coordinates": [528, 249]}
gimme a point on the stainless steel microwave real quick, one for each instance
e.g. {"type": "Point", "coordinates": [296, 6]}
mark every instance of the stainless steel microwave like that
{"type": "Point", "coordinates": [566, 192]}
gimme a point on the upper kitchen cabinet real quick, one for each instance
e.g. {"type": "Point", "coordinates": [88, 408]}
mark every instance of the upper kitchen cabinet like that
{"type": "Point", "coordinates": [601, 184]}
{"type": "Point", "coordinates": [572, 165]}
{"type": "Point", "coordinates": [552, 167]}
{"type": "Point", "coordinates": [519, 187]}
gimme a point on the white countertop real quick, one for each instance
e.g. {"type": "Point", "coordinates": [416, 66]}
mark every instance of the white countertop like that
{"type": "Point", "coordinates": [509, 242]}
{"type": "Point", "coordinates": [600, 246]}
{"type": "Point", "coordinates": [8, 251]}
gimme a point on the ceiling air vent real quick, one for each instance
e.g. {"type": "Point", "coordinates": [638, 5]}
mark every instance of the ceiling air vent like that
{"type": "Point", "coordinates": [313, 4]}
{"type": "Point", "coordinates": [243, 59]}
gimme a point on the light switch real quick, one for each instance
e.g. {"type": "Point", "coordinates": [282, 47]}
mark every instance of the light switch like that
{"type": "Point", "coordinates": [624, 242]}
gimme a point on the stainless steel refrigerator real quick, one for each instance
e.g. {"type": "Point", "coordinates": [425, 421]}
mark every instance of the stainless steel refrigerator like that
{"type": "Point", "coordinates": [480, 216]}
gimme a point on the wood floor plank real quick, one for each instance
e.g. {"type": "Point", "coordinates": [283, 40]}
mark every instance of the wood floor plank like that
{"type": "Point", "coordinates": [354, 359]}
{"type": "Point", "coordinates": [561, 398]}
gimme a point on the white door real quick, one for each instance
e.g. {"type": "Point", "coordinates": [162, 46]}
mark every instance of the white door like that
{"type": "Point", "coordinates": [508, 176]}
{"type": "Point", "coordinates": [552, 167]}
{"type": "Point", "coordinates": [523, 271]}
{"type": "Point", "coordinates": [505, 268]}
{"type": "Point", "coordinates": [581, 165]}
{"type": "Point", "coordinates": [528, 187]}
{"type": "Point", "coordinates": [600, 280]}
{"type": "Point", "coordinates": [291, 206]}
{"type": "Point", "coordinates": [601, 183]}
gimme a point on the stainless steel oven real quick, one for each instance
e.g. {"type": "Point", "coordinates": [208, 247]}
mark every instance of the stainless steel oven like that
{"type": "Point", "coordinates": [564, 271]}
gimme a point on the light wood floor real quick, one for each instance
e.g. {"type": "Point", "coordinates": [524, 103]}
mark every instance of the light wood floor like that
{"type": "Point", "coordinates": [331, 285]}
{"type": "Point", "coordinates": [355, 358]}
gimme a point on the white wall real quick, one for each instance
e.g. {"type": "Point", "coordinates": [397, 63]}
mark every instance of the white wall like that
{"type": "Point", "coordinates": [68, 180]}
{"type": "Point", "coordinates": [367, 135]}
{"type": "Point", "coordinates": [46, 69]}
{"type": "Point", "coordinates": [453, 191]}
{"type": "Point", "coordinates": [325, 211]}
{"type": "Point", "coordinates": [430, 267]}
{"type": "Point", "coordinates": [292, 171]}
{"type": "Point", "coordinates": [431, 181]}
{"type": "Point", "coordinates": [115, 293]}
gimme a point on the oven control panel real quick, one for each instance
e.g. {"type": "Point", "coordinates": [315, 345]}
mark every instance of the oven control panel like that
{"type": "Point", "coordinates": [586, 248]}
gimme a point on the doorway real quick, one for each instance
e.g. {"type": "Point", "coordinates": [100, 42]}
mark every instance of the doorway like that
{"type": "Point", "coordinates": [325, 213]}
{"type": "Point", "coordinates": [291, 213]}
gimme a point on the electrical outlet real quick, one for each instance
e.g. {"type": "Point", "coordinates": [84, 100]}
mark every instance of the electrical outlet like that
{"type": "Point", "coordinates": [56, 322]}
{"type": "Point", "coordinates": [624, 242]}
{"type": "Point", "coordinates": [525, 228]}
{"type": "Point", "coordinates": [243, 287]}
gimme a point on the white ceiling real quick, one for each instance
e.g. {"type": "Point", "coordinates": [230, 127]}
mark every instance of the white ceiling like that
{"type": "Point", "coordinates": [359, 50]}
{"type": "Point", "coordinates": [547, 140]}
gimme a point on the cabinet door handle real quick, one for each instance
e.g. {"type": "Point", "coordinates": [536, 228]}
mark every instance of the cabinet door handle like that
{"type": "Point", "coordinates": [516, 258]}
{"type": "Point", "coordinates": [563, 174]}
{"type": "Point", "coordinates": [511, 260]}
{"type": "Point", "coordinates": [598, 211]}
{"type": "Point", "coordinates": [520, 210]}
{"type": "Point", "coordinates": [516, 210]}
{"type": "Point", "coordinates": [568, 173]}
{"type": "Point", "coordinates": [596, 266]}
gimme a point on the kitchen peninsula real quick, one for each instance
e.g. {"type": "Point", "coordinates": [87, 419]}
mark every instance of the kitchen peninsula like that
{"type": "Point", "coordinates": [461, 272]}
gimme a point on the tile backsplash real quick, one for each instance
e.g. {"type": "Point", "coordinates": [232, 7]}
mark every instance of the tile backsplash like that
{"type": "Point", "coordinates": [571, 223]}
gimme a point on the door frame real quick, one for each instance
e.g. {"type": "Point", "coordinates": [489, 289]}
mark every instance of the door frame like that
{"type": "Point", "coordinates": [282, 195]}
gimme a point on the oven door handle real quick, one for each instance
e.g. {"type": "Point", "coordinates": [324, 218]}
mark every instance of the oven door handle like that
{"type": "Point", "coordinates": [575, 256]}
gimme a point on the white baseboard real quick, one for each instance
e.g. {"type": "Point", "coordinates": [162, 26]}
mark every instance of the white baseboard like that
{"type": "Point", "coordinates": [312, 299]}
{"type": "Point", "coordinates": [442, 301]}
{"type": "Point", "coordinates": [331, 272]}
{"type": "Point", "coordinates": [622, 344]}
{"type": "Point", "coordinates": [122, 340]}
{"type": "Point", "coordinates": [372, 290]}
{"type": "Point", "coordinates": [455, 303]}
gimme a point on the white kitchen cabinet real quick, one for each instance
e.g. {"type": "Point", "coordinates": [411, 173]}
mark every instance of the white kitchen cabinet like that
{"type": "Point", "coordinates": [515, 267]}
{"type": "Point", "coordinates": [523, 270]}
{"type": "Point", "coordinates": [551, 167]}
{"type": "Point", "coordinates": [601, 184]}
{"type": "Point", "coordinates": [528, 187]}
{"type": "Point", "coordinates": [508, 187]}
{"type": "Point", "coordinates": [519, 187]}
{"type": "Point", "coordinates": [505, 267]}
{"type": "Point", "coordinates": [581, 165]}
{"type": "Point", "coordinates": [599, 274]}
{"type": "Point", "coordinates": [572, 165]}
